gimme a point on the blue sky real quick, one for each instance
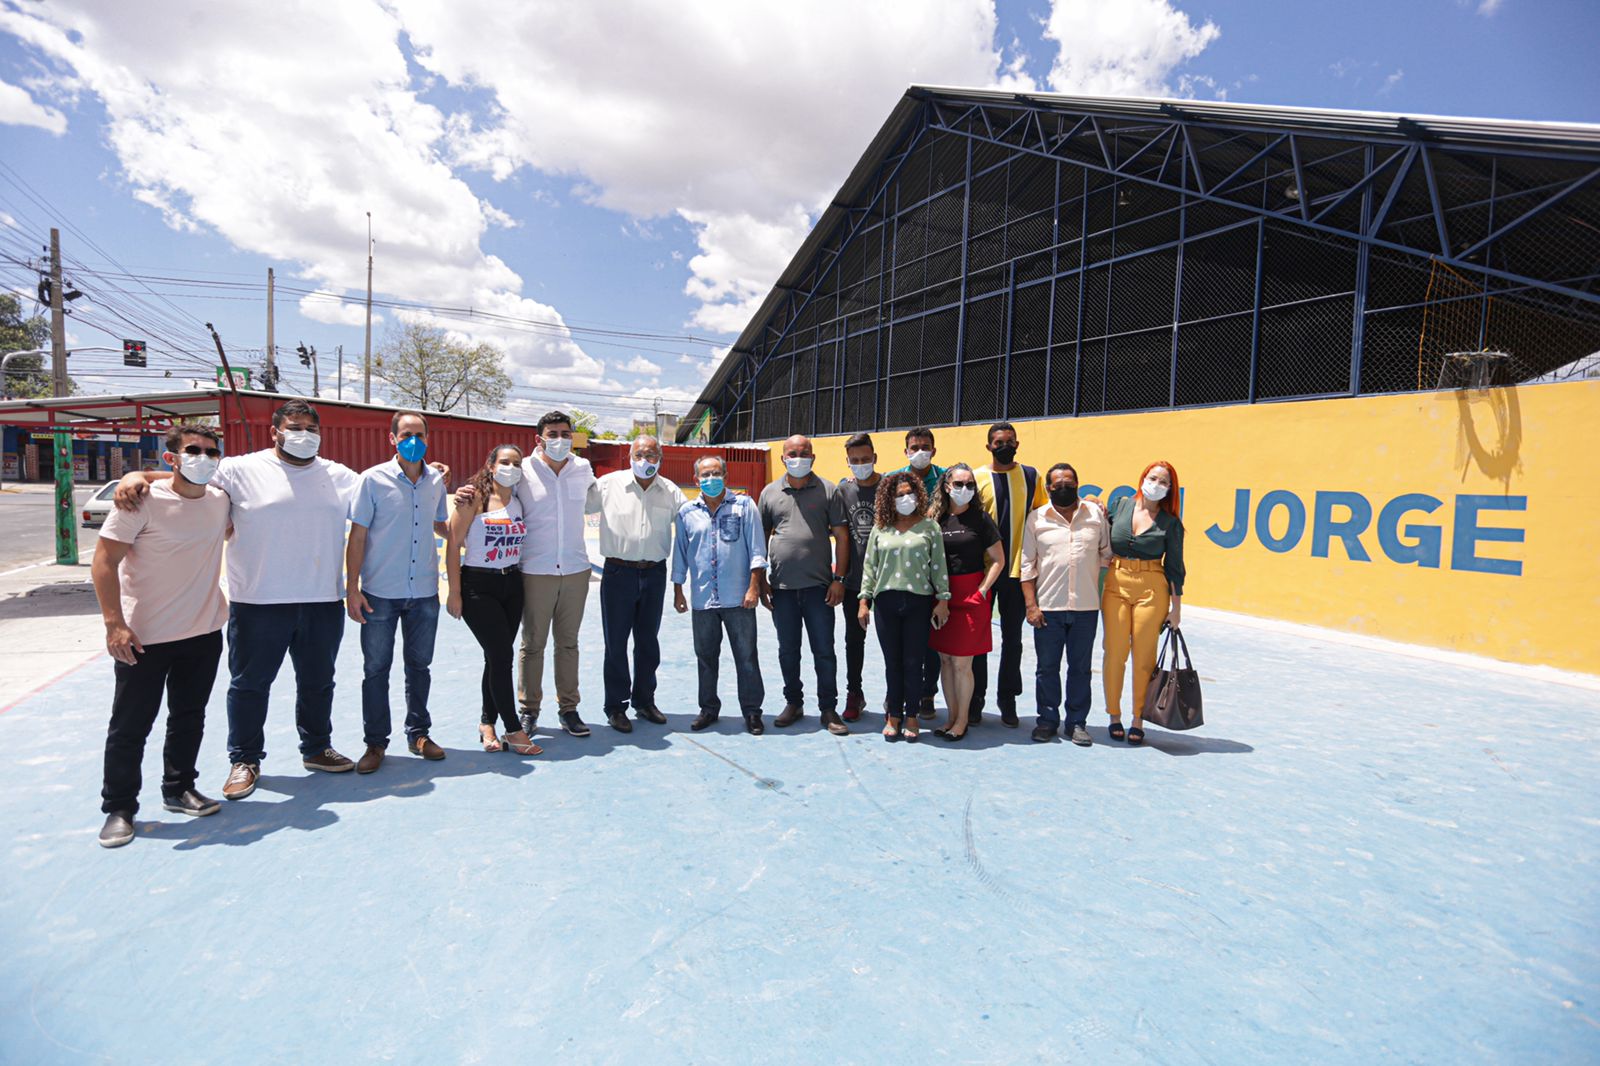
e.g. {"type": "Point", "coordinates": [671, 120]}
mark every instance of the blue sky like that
{"type": "Point", "coordinates": [627, 166]}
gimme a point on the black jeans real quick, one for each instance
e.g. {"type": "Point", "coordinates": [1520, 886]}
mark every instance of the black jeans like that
{"type": "Point", "coordinates": [903, 620]}
{"type": "Point", "coordinates": [631, 602]}
{"type": "Point", "coordinates": [855, 641]}
{"type": "Point", "coordinates": [186, 670]}
{"type": "Point", "coordinates": [491, 605]}
{"type": "Point", "coordinates": [740, 624]}
{"type": "Point", "coordinates": [807, 608]}
{"type": "Point", "coordinates": [259, 636]}
{"type": "Point", "coordinates": [1008, 597]}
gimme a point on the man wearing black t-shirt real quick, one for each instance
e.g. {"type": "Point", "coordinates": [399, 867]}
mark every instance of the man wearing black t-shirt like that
{"type": "Point", "coordinates": [860, 493]}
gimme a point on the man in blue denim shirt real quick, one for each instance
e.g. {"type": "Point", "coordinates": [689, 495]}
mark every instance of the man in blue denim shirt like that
{"type": "Point", "coordinates": [720, 547]}
{"type": "Point", "coordinates": [393, 567]}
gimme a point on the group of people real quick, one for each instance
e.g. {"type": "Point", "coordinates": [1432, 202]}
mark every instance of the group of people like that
{"type": "Point", "coordinates": [924, 554]}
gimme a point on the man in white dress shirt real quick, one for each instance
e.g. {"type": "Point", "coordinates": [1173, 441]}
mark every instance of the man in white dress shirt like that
{"type": "Point", "coordinates": [636, 508]}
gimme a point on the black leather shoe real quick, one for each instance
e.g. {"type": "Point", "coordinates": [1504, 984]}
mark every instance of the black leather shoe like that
{"type": "Point", "coordinates": [834, 724]}
{"type": "Point", "coordinates": [619, 721]}
{"type": "Point", "coordinates": [529, 722]}
{"type": "Point", "coordinates": [572, 724]}
{"type": "Point", "coordinates": [974, 717]}
{"type": "Point", "coordinates": [649, 713]}
{"type": "Point", "coordinates": [706, 720]}
{"type": "Point", "coordinates": [926, 710]}
{"type": "Point", "coordinates": [191, 803]}
{"type": "Point", "coordinates": [118, 829]}
{"type": "Point", "coordinates": [791, 714]}
{"type": "Point", "coordinates": [1044, 733]}
{"type": "Point", "coordinates": [754, 727]}
{"type": "Point", "coordinates": [1008, 716]}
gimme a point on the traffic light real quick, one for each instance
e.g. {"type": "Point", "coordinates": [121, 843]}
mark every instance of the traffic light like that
{"type": "Point", "coordinates": [133, 353]}
{"type": "Point", "coordinates": [306, 354]}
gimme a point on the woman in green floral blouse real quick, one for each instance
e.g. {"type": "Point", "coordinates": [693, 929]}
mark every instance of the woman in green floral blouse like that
{"type": "Point", "coordinates": [904, 573]}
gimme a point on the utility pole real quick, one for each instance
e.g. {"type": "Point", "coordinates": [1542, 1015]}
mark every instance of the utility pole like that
{"type": "Point", "coordinates": [272, 348]}
{"type": "Point", "coordinates": [339, 348]}
{"type": "Point", "coordinates": [366, 386]}
{"type": "Point", "coordinates": [66, 513]}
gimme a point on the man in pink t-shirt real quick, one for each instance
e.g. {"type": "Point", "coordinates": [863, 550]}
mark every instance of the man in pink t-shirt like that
{"type": "Point", "coordinates": [156, 574]}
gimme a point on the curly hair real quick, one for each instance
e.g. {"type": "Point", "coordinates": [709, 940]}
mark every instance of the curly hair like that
{"type": "Point", "coordinates": [884, 513]}
{"type": "Point", "coordinates": [941, 504]}
{"type": "Point", "coordinates": [483, 481]}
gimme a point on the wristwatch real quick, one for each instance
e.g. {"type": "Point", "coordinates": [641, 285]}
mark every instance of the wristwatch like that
{"type": "Point", "coordinates": [837, 580]}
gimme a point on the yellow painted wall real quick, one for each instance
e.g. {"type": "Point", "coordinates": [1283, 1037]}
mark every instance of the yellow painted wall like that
{"type": "Point", "coordinates": [1519, 461]}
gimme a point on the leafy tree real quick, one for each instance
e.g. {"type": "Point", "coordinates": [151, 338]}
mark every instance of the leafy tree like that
{"type": "Point", "coordinates": [428, 370]}
{"type": "Point", "coordinates": [583, 421]}
{"type": "Point", "coordinates": [26, 376]}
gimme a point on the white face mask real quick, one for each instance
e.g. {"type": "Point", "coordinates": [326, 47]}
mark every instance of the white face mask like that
{"type": "Point", "coordinates": [920, 460]}
{"type": "Point", "coordinates": [197, 469]}
{"type": "Point", "coordinates": [961, 495]}
{"type": "Point", "coordinates": [1153, 490]}
{"type": "Point", "coordinates": [557, 448]}
{"type": "Point", "coordinates": [300, 443]}
{"type": "Point", "coordinates": [507, 475]}
{"type": "Point", "coordinates": [861, 471]}
{"type": "Point", "coordinates": [644, 469]}
{"type": "Point", "coordinates": [798, 466]}
{"type": "Point", "coordinates": [905, 504]}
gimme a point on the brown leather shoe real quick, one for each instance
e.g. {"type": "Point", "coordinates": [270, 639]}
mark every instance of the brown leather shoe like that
{"type": "Point", "coordinates": [835, 726]}
{"type": "Point", "coordinates": [371, 760]}
{"type": "Point", "coordinates": [241, 781]}
{"type": "Point", "coordinates": [425, 747]}
{"type": "Point", "coordinates": [329, 761]}
{"type": "Point", "coordinates": [854, 704]}
{"type": "Point", "coordinates": [791, 714]}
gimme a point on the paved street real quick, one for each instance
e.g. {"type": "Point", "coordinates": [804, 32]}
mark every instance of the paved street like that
{"type": "Point", "coordinates": [27, 524]}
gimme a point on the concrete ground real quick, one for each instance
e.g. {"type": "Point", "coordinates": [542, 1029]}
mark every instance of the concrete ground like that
{"type": "Point", "coordinates": [1366, 855]}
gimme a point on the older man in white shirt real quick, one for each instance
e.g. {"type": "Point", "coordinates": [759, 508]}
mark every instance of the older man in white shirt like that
{"type": "Point", "coordinates": [636, 508]}
{"type": "Point", "coordinates": [1065, 545]}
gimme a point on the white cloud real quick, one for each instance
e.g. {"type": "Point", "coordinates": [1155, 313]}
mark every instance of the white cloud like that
{"type": "Point", "coordinates": [1390, 82]}
{"type": "Point", "coordinates": [350, 312]}
{"type": "Point", "coordinates": [640, 365]}
{"type": "Point", "coordinates": [741, 118]}
{"type": "Point", "coordinates": [1122, 48]}
{"type": "Point", "coordinates": [1488, 7]}
{"type": "Point", "coordinates": [288, 165]}
{"type": "Point", "coordinates": [17, 108]}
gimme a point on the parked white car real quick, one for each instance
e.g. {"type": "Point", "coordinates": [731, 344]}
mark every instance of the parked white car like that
{"type": "Point", "coordinates": [97, 506]}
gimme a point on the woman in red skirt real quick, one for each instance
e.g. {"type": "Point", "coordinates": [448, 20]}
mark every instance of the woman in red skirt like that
{"type": "Point", "coordinates": [976, 559]}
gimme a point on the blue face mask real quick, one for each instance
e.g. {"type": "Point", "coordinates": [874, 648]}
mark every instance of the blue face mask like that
{"type": "Point", "coordinates": [412, 449]}
{"type": "Point", "coordinates": [711, 486]}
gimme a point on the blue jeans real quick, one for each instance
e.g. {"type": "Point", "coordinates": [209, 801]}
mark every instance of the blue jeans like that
{"type": "Point", "coordinates": [630, 605]}
{"type": "Point", "coordinates": [791, 609]}
{"type": "Point", "coordinates": [259, 635]}
{"type": "Point", "coordinates": [740, 622]}
{"type": "Point", "coordinates": [903, 620]}
{"type": "Point", "coordinates": [418, 621]}
{"type": "Point", "coordinates": [1071, 632]}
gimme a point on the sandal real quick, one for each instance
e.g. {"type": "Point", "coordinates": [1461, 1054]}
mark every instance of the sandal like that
{"type": "Point", "coordinates": [891, 729]}
{"type": "Point", "coordinates": [1136, 736]}
{"type": "Point", "coordinates": [525, 746]}
{"type": "Point", "coordinates": [490, 741]}
{"type": "Point", "coordinates": [1117, 732]}
{"type": "Point", "coordinates": [910, 734]}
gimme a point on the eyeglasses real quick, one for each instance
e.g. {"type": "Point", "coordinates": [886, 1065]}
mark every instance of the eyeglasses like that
{"type": "Point", "coordinates": [209, 453]}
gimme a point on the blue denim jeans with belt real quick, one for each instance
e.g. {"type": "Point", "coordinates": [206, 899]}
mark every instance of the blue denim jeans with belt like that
{"type": "Point", "coordinates": [418, 621]}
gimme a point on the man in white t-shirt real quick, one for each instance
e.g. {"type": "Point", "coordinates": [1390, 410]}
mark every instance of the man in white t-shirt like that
{"type": "Point", "coordinates": [555, 568]}
{"type": "Point", "coordinates": [155, 571]}
{"type": "Point", "coordinates": [285, 587]}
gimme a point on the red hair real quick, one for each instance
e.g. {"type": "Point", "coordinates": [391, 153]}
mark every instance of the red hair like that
{"type": "Point", "coordinates": [1169, 503]}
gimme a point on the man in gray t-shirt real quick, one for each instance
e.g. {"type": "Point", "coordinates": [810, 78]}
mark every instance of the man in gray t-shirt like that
{"type": "Point", "coordinates": [800, 513]}
{"type": "Point", "coordinates": [860, 493]}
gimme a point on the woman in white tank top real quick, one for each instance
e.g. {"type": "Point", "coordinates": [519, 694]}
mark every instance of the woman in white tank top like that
{"type": "Point", "coordinates": [486, 589]}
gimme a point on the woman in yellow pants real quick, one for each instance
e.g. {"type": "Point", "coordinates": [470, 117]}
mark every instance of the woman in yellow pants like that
{"type": "Point", "coordinates": [1143, 589]}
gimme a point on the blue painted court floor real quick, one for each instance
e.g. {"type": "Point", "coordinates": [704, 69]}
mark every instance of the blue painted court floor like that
{"type": "Point", "coordinates": [1362, 857]}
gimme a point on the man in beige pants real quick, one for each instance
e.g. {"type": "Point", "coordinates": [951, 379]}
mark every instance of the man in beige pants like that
{"type": "Point", "coordinates": [555, 569]}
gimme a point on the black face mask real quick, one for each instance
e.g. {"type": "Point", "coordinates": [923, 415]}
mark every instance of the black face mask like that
{"type": "Point", "coordinates": [1004, 454]}
{"type": "Point", "coordinates": [1064, 496]}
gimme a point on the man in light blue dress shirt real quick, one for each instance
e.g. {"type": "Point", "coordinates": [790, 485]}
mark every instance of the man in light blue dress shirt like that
{"type": "Point", "coordinates": [393, 567]}
{"type": "Point", "coordinates": [720, 549]}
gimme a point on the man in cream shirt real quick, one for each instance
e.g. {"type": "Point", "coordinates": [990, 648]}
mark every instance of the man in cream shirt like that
{"type": "Point", "coordinates": [1065, 545]}
{"type": "Point", "coordinates": [636, 508]}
